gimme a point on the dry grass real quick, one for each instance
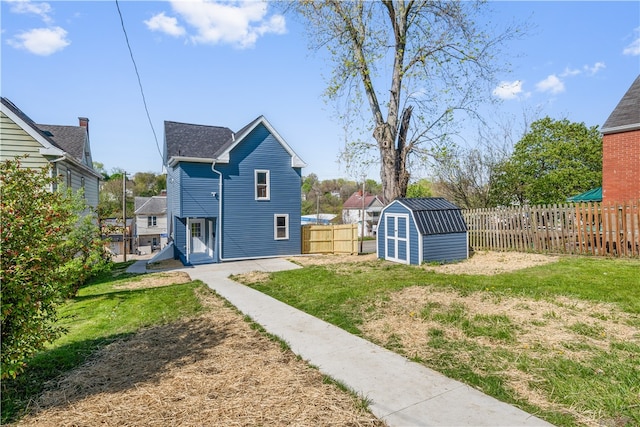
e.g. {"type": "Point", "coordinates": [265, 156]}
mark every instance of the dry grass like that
{"type": "Point", "coordinates": [542, 329]}
{"type": "Point", "coordinates": [213, 369]}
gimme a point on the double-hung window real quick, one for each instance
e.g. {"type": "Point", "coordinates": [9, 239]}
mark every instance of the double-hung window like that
{"type": "Point", "coordinates": [281, 226]}
{"type": "Point", "coordinates": [151, 221]}
{"type": "Point", "coordinates": [263, 192]}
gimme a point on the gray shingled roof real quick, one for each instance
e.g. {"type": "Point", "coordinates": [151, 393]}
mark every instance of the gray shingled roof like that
{"type": "Point", "coordinates": [150, 205]}
{"type": "Point", "coordinates": [626, 115]}
{"type": "Point", "coordinates": [18, 112]}
{"type": "Point", "coordinates": [71, 139]}
{"type": "Point", "coordinates": [435, 215]}
{"type": "Point", "coordinates": [189, 140]}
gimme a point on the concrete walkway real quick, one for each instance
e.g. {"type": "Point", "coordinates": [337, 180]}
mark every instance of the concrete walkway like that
{"type": "Point", "coordinates": [401, 392]}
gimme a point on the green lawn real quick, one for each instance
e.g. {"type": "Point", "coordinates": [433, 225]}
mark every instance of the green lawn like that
{"type": "Point", "coordinates": [588, 376]}
{"type": "Point", "coordinates": [100, 313]}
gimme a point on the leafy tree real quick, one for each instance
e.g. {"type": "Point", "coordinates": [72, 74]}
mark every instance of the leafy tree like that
{"type": "Point", "coordinates": [556, 159]}
{"type": "Point", "coordinates": [436, 55]}
{"type": "Point", "coordinates": [45, 255]}
{"type": "Point", "coordinates": [148, 184]}
{"type": "Point", "coordinates": [420, 188]}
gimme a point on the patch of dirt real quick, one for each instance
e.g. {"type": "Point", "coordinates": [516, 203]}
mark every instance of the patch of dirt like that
{"type": "Point", "coordinates": [563, 327]}
{"type": "Point", "coordinates": [165, 264]}
{"type": "Point", "coordinates": [156, 280]}
{"type": "Point", "coordinates": [481, 263]}
{"type": "Point", "coordinates": [213, 369]}
{"type": "Point", "coordinates": [488, 263]}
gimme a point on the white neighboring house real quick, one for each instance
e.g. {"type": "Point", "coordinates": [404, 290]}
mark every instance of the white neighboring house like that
{"type": "Point", "coordinates": [150, 230]}
{"type": "Point", "coordinates": [352, 212]}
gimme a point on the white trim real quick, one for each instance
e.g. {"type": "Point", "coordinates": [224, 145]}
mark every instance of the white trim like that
{"type": "Point", "coordinates": [620, 129]}
{"type": "Point", "coordinates": [396, 238]}
{"type": "Point", "coordinates": [47, 148]}
{"type": "Point", "coordinates": [275, 226]}
{"type": "Point", "coordinates": [255, 184]}
{"type": "Point", "coordinates": [296, 161]}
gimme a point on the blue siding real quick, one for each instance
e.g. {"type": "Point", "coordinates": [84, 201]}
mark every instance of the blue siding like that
{"type": "Point", "coordinates": [173, 193]}
{"type": "Point", "coordinates": [248, 224]}
{"type": "Point", "coordinates": [414, 240]}
{"type": "Point", "coordinates": [198, 182]}
{"type": "Point", "coordinates": [180, 239]}
{"type": "Point", "coordinates": [445, 247]}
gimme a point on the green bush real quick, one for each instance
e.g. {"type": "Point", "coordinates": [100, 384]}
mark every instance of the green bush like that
{"type": "Point", "coordinates": [47, 251]}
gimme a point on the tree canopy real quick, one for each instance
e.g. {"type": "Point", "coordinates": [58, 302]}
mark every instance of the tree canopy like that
{"type": "Point", "coordinates": [555, 160]}
{"type": "Point", "coordinates": [415, 63]}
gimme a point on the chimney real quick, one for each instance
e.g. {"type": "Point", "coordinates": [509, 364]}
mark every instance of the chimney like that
{"type": "Point", "coordinates": [84, 122]}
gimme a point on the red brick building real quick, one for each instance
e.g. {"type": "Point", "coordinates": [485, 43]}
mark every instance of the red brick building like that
{"type": "Point", "coordinates": [621, 149]}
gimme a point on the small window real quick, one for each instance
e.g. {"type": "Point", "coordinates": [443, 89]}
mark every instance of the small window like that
{"type": "Point", "coordinates": [151, 221]}
{"type": "Point", "coordinates": [262, 184]}
{"type": "Point", "coordinates": [69, 181]}
{"type": "Point", "coordinates": [281, 226]}
{"type": "Point", "coordinates": [82, 187]}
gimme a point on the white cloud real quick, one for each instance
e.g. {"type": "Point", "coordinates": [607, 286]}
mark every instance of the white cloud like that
{"type": "Point", "coordinates": [595, 68]}
{"type": "Point", "coordinates": [238, 23]}
{"type": "Point", "coordinates": [568, 72]}
{"type": "Point", "coordinates": [41, 41]}
{"type": "Point", "coordinates": [165, 24]}
{"type": "Point", "coordinates": [26, 6]}
{"type": "Point", "coordinates": [551, 84]}
{"type": "Point", "coordinates": [633, 48]}
{"type": "Point", "coordinates": [508, 90]}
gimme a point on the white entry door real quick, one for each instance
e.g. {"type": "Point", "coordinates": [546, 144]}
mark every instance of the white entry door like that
{"type": "Point", "coordinates": [198, 238]}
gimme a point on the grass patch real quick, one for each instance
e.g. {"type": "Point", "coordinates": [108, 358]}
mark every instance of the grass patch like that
{"type": "Point", "coordinates": [546, 342]}
{"type": "Point", "coordinates": [98, 315]}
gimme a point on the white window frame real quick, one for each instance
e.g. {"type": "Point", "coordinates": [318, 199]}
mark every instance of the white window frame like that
{"type": "Point", "coordinates": [268, 184]}
{"type": "Point", "coordinates": [152, 221]}
{"type": "Point", "coordinates": [275, 226]}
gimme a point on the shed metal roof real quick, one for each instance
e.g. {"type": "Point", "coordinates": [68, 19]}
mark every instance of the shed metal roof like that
{"type": "Point", "coordinates": [435, 215]}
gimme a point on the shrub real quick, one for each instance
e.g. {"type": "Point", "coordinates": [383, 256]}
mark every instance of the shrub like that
{"type": "Point", "coordinates": [46, 252]}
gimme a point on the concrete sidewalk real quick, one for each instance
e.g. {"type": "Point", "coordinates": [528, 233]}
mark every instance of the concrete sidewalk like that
{"type": "Point", "coordinates": [401, 392]}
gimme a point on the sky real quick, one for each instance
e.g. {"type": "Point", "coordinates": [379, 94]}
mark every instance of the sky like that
{"type": "Point", "coordinates": [227, 63]}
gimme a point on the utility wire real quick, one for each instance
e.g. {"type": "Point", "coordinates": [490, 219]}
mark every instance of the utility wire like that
{"type": "Point", "coordinates": [144, 99]}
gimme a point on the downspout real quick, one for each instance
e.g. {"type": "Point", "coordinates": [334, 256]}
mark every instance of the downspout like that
{"type": "Point", "coordinates": [219, 220]}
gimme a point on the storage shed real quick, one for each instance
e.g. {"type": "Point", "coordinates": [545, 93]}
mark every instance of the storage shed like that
{"type": "Point", "coordinates": [413, 231]}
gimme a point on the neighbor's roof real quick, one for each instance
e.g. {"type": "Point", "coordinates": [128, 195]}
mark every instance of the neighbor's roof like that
{"type": "Point", "coordinates": [355, 201]}
{"type": "Point", "coordinates": [626, 115]}
{"type": "Point", "coordinates": [150, 205]}
{"type": "Point", "coordinates": [593, 195]}
{"type": "Point", "coordinates": [45, 137]}
{"type": "Point", "coordinates": [435, 215]}
{"type": "Point", "coordinates": [71, 139]}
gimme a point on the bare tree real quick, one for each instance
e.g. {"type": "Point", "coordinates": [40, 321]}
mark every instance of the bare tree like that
{"type": "Point", "coordinates": [438, 60]}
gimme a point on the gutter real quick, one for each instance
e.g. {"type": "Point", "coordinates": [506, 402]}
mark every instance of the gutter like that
{"type": "Point", "coordinates": [219, 221]}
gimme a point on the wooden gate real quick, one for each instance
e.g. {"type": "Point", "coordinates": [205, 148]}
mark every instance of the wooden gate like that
{"type": "Point", "coordinates": [330, 239]}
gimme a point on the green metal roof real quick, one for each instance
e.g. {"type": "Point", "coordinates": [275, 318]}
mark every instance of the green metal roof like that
{"type": "Point", "coordinates": [593, 195]}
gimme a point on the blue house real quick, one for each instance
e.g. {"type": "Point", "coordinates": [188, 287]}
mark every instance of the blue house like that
{"type": "Point", "coordinates": [430, 229]}
{"type": "Point", "coordinates": [231, 195]}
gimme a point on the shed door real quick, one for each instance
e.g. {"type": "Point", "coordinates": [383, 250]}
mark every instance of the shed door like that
{"type": "Point", "coordinates": [397, 238]}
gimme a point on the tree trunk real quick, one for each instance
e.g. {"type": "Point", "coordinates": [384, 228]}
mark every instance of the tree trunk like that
{"type": "Point", "coordinates": [393, 155]}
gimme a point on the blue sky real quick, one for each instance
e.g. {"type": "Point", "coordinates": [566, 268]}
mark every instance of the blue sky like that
{"type": "Point", "coordinates": [227, 63]}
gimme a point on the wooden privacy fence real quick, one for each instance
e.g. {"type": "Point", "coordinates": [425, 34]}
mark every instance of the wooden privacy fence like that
{"type": "Point", "coordinates": [611, 229]}
{"type": "Point", "coordinates": [330, 239]}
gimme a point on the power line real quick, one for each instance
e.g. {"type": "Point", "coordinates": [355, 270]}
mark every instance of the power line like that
{"type": "Point", "coordinates": [144, 99]}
